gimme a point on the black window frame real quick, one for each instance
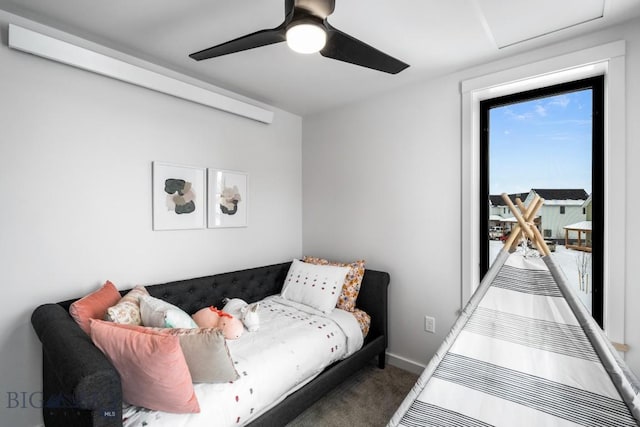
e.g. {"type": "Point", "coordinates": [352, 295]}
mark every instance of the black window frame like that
{"type": "Point", "coordinates": [596, 84]}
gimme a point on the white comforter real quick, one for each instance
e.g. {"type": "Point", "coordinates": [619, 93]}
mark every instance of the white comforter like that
{"type": "Point", "coordinates": [293, 345]}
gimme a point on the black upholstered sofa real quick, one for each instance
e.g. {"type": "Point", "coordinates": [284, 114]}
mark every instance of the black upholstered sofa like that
{"type": "Point", "coordinates": [82, 388]}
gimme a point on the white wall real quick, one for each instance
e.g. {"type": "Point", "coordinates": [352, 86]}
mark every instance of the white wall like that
{"type": "Point", "coordinates": [384, 176]}
{"type": "Point", "coordinates": [75, 168]}
{"type": "Point", "coordinates": [632, 314]}
{"type": "Point", "coordinates": [381, 181]}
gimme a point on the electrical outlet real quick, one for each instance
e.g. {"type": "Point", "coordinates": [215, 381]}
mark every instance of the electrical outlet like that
{"type": "Point", "coordinates": [430, 324]}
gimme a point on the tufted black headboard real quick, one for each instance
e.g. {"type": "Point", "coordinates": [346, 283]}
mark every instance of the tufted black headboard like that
{"type": "Point", "coordinates": [257, 283]}
{"type": "Point", "coordinates": [251, 285]}
{"type": "Point", "coordinates": [193, 294]}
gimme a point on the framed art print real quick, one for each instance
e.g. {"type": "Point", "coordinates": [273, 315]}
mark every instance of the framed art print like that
{"type": "Point", "coordinates": [227, 198]}
{"type": "Point", "coordinates": [179, 197]}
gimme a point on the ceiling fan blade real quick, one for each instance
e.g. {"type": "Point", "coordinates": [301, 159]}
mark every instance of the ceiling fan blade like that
{"type": "Point", "coordinates": [318, 8]}
{"type": "Point", "coordinates": [345, 48]}
{"type": "Point", "coordinates": [289, 5]}
{"type": "Point", "coordinates": [250, 41]}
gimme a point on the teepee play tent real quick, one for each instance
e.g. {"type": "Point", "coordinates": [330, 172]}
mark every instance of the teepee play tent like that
{"type": "Point", "coordinates": [524, 352]}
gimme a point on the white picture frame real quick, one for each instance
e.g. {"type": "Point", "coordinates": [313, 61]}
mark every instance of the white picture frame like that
{"type": "Point", "coordinates": [179, 196]}
{"type": "Point", "coordinates": [228, 198]}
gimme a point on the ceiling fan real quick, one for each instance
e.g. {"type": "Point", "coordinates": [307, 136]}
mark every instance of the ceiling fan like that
{"type": "Point", "coordinates": [306, 30]}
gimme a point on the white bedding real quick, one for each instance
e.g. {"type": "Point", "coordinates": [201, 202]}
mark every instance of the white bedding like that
{"type": "Point", "coordinates": [293, 345]}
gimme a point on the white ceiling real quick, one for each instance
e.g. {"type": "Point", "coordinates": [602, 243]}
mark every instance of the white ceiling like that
{"type": "Point", "coordinates": [433, 36]}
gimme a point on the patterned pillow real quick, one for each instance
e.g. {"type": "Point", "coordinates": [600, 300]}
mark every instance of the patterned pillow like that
{"type": "Point", "coordinates": [352, 282]}
{"type": "Point", "coordinates": [317, 286]}
{"type": "Point", "coordinates": [127, 310]}
{"type": "Point", "coordinates": [364, 320]}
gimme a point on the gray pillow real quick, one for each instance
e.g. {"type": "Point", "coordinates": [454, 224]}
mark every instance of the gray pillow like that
{"type": "Point", "coordinates": [206, 353]}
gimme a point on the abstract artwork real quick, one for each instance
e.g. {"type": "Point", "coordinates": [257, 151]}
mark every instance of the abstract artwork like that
{"type": "Point", "coordinates": [228, 198]}
{"type": "Point", "coordinates": [179, 197]}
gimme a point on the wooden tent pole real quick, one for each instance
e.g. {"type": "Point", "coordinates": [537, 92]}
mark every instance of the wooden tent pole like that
{"type": "Point", "coordinates": [539, 240]}
{"type": "Point", "coordinates": [540, 243]}
{"type": "Point", "coordinates": [523, 211]}
{"type": "Point", "coordinates": [529, 215]}
{"type": "Point", "coordinates": [523, 224]}
{"type": "Point", "coordinates": [532, 232]}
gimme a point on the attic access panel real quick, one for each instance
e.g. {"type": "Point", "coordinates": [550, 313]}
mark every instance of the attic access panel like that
{"type": "Point", "coordinates": [512, 22]}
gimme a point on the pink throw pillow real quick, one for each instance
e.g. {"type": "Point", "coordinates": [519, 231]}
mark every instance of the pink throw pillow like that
{"type": "Point", "coordinates": [94, 305]}
{"type": "Point", "coordinates": [152, 367]}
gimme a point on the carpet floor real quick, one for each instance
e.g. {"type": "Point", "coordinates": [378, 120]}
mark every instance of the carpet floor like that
{"type": "Point", "coordinates": [367, 399]}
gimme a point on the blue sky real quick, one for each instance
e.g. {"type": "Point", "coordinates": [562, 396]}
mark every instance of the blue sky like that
{"type": "Point", "coordinates": [544, 143]}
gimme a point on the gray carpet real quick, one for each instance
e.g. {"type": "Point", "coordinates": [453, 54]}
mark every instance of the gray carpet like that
{"type": "Point", "coordinates": [368, 398]}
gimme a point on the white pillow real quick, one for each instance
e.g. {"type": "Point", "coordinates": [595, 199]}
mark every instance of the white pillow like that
{"type": "Point", "coordinates": [160, 314]}
{"type": "Point", "coordinates": [317, 286]}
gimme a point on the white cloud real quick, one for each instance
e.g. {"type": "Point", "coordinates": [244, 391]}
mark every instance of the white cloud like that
{"type": "Point", "coordinates": [541, 110]}
{"type": "Point", "coordinates": [509, 113]}
{"type": "Point", "coordinates": [560, 101]}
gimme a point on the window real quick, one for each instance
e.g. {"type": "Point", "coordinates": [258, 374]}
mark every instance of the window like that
{"type": "Point", "coordinates": [542, 139]}
{"type": "Point", "coordinates": [608, 59]}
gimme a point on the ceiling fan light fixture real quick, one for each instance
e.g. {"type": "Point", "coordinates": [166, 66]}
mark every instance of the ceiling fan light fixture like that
{"type": "Point", "coordinates": [306, 29]}
{"type": "Point", "coordinates": [306, 37]}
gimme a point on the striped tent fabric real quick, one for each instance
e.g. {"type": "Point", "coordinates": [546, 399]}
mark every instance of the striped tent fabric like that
{"type": "Point", "coordinates": [524, 352]}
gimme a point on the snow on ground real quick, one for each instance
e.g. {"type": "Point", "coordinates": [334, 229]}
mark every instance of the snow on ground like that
{"type": "Point", "coordinates": [572, 263]}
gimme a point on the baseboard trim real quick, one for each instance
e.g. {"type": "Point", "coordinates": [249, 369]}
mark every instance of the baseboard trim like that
{"type": "Point", "coordinates": [404, 363]}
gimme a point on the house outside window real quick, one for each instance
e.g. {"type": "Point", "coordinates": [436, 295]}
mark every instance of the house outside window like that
{"type": "Point", "coordinates": [561, 210]}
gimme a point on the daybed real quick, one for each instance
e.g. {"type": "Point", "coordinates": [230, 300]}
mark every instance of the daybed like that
{"type": "Point", "coordinates": [82, 388]}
